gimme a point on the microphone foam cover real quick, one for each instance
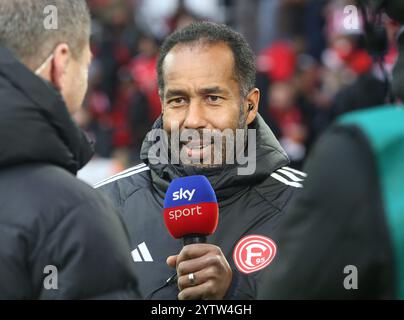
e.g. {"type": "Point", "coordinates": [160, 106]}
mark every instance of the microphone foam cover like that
{"type": "Point", "coordinates": [190, 207]}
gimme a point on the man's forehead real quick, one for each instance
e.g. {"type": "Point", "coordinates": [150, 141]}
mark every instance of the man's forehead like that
{"type": "Point", "coordinates": [196, 54]}
{"type": "Point", "coordinates": [201, 86]}
{"type": "Point", "coordinates": [208, 64]}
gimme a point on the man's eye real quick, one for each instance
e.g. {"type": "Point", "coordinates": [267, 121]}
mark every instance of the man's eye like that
{"type": "Point", "coordinates": [177, 101]}
{"type": "Point", "coordinates": [214, 99]}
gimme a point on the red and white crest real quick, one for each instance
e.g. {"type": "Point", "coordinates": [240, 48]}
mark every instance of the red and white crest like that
{"type": "Point", "coordinates": [253, 253]}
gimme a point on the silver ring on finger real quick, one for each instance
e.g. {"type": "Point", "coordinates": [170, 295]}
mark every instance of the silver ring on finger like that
{"type": "Point", "coordinates": [191, 278]}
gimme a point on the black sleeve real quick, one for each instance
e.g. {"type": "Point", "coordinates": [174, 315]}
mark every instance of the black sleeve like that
{"type": "Point", "coordinates": [337, 220]}
{"type": "Point", "coordinates": [90, 249]}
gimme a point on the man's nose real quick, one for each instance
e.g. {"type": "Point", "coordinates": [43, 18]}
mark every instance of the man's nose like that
{"type": "Point", "coordinates": [195, 116]}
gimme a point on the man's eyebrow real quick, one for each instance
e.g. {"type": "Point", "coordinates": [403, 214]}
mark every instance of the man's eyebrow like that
{"type": "Point", "coordinates": [212, 90]}
{"type": "Point", "coordinates": [175, 93]}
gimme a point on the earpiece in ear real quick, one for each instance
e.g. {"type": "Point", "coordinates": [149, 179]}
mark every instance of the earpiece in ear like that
{"type": "Point", "coordinates": [250, 107]}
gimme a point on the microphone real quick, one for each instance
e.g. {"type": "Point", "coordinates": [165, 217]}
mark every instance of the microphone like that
{"type": "Point", "coordinates": [191, 210]}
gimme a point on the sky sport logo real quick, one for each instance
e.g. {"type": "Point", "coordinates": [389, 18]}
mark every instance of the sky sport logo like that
{"type": "Point", "coordinates": [253, 253]}
{"type": "Point", "coordinates": [185, 212]}
{"type": "Point", "coordinates": [181, 194]}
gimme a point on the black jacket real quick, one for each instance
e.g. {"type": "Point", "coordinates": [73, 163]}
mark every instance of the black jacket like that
{"type": "Point", "coordinates": [248, 205]}
{"type": "Point", "coordinates": [47, 216]}
{"type": "Point", "coordinates": [335, 223]}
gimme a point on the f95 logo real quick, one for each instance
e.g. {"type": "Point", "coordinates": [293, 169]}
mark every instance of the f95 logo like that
{"type": "Point", "coordinates": [253, 253]}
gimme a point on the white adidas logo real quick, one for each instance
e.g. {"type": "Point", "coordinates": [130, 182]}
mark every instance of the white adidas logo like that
{"type": "Point", "coordinates": [144, 252]}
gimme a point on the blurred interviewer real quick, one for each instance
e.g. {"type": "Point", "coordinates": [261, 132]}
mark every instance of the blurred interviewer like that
{"type": "Point", "coordinates": [48, 218]}
{"type": "Point", "coordinates": [206, 77]}
{"type": "Point", "coordinates": [343, 237]}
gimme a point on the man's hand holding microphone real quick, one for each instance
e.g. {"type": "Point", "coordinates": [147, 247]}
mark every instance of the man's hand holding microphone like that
{"type": "Point", "coordinates": [191, 213]}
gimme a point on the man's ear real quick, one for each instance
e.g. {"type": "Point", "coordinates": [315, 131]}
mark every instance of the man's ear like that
{"type": "Point", "coordinates": [252, 101]}
{"type": "Point", "coordinates": [60, 62]}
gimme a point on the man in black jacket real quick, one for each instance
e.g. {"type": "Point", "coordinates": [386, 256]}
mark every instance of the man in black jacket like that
{"type": "Point", "coordinates": [206, 80]}
{"type": "Point", "coordinates": [59, 238]}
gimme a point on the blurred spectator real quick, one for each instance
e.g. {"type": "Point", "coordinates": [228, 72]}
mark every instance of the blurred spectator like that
{"type": "Point", "coordinates": [288, 117]}
{"type": "Point", "coordinates": [160, 17]}
{"type": "Point", "coordinates": [278, 61]}
{"type": "Point", "coordinates": [94, 119]}
{"type": "Point", "coordinates": [315, 22]}
{"type": "Point", "coordinates": [267, 22]}
{"type": "Point", "coordinates": [119, 115]}
{"type": "Point", "coordinates": [143, 70]}
{"type": "Point", "coordinates": [181, 18]}
{"type": "Point", "coordinates": [370, 88]}
{"type": "Point", "coordinates": [292, 23]}
{"type": "Point", "coordinates": [245, 13]}
{"type": "Point", "coordinates": [314, 102]}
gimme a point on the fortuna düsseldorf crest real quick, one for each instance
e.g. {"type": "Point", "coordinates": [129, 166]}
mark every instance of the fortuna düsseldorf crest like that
{"type": "Point", "coordinates": [253, 253]}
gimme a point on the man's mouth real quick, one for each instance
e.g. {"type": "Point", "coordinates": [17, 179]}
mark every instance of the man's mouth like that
{"type": "Point", "coordinates": [197, 150]}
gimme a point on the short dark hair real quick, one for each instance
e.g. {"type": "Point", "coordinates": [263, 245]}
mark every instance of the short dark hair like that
{"type": "Point", "coordinates": [22, 28]}
{"type": "Point", "coordinates": [211, 33]}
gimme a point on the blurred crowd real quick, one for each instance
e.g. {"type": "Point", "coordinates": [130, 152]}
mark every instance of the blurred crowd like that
{"type": "Point", "coordinates": [311, 68]}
